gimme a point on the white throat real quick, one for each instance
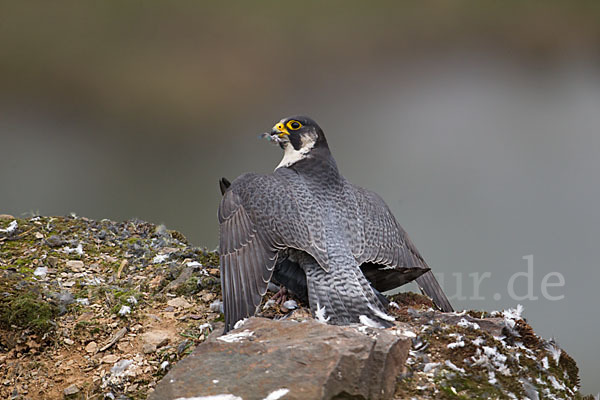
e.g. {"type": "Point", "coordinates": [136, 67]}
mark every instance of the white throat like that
{"type": "Point", "coordinates": [292, 156]}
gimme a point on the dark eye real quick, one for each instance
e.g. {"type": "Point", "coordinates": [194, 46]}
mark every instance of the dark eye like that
{"type": "Point", "coordinates": [294, 125]}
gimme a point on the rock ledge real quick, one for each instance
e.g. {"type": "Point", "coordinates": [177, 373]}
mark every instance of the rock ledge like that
{"type": "Point", "coordinates": [306, 360]}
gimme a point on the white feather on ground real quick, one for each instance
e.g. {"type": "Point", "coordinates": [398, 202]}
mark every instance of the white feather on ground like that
{"type": "Point", "coordinates": [369, 322]}
{"type": "Point", "coordinates": [320, 314]}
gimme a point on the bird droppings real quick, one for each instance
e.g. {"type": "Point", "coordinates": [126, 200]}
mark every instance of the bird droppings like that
{"type": "Point", "coordinates": [160, 258]}
{"type": "Point", "coordinates": [236, 337]}
{"type": "Point", "coordinates": [240, 323]}
{"type": "Point", "coordinates": [124, 310]}
{"type": "Point", "coordinates": [492, 378]}
{"type": "Point", "coordinates": [453, 367]}
{"type": "Point", "coordinates": [454, 345]}
{"type": "Point", "coordinates": [204, 326]}
{"type": "Point", "coordinates": [194, 264]}
{"type": "Point", "coordinates": [467, 324]}
{"type": "Point", "coordinates": [545, 363]}
{"type": "Point", "coordinates": [77, 250]}
{"type": "Point", "coordinates": [12, 227]}
{"type": "Point", "coordinates": [277, 394]}
{"type": "Point", "coordinates": [480, 358]}
{"type": "Point", "coordinates": [405, 332]}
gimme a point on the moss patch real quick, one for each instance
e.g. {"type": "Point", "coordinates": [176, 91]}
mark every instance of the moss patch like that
{"type": "Point", "coordinates": [27, 311]}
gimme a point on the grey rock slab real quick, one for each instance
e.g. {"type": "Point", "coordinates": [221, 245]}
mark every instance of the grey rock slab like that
{"type": "Point", "coordinates": [306, 360]}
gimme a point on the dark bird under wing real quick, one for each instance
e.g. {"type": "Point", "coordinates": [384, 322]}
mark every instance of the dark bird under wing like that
{"type": "Point", "coordinates": [307, 224]}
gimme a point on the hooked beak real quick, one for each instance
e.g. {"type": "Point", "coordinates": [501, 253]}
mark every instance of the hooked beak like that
{"type": "Point", "coordinates": [279, 130]}
{"type": "Point", "coordinates": [278, 134]}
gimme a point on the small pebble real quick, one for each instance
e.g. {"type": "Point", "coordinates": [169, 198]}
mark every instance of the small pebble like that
{"type": "Point", "coordinates": [179, 302]}
{"type": "Point", "coordinates": [289, 305]}
{"type": "Point", "coordinates": [75, 265]}
{"type": "Point", "coordinates": [55, 241]}
{"type": "Point", "coordinates": [91, 347]}
{"type": "Point", "coordinates": [148, 348]}
{"type": "Point", "coordinates": [110, 359]}
{"type": "Point", "coordinates": [71, 390]}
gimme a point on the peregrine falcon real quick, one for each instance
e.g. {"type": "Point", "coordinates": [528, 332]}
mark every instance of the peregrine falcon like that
{"type": "Point", "coordinates": [309, 229]}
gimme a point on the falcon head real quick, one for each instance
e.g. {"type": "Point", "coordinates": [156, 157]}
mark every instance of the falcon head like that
{"type": "Point", "coordinates": [297, 136]}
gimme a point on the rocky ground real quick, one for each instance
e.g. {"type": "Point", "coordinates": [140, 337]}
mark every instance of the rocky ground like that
{"type": "Point", "coordinates": [100, 309]}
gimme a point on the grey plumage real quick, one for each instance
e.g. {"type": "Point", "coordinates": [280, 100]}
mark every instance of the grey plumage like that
{"type": "Point", "coordinates": [309, 228]}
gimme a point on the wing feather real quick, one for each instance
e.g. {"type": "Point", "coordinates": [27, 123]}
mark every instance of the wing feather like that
{"type": "Point", "coordinates": [260, 215]}
{"type": "Point", "coordinates": [385, 240]}
{"type": "Point", "coordinates": [247, 261]}
{"type": "Point", "coordinates": [386, 243]}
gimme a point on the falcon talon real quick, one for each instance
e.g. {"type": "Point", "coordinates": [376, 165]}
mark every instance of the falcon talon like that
{"type": "Point", "coordinates": [332, 244]}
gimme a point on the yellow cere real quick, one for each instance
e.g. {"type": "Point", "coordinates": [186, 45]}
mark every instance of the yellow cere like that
{"type": "Point", "coordinates": [282, 129]}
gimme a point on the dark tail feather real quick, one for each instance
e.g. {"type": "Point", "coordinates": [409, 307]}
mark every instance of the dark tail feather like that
{"type": "Point", "coordinates": [224, 184]}
{"type": "Point", "coordinates": [430, 286]}
{"type": "Point", "coordinates": [384, 300]}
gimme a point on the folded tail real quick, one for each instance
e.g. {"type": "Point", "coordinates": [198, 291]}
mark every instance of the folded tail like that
{"type": "Point", "coordinates": [224, 185]}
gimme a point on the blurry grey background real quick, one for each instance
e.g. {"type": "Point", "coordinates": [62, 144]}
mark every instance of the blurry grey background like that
{"type": "Point", "coordinates": [477, 122]}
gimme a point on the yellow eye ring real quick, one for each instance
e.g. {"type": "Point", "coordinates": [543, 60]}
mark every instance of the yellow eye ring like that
{"type": "Point", "coordinates": [293, 125]}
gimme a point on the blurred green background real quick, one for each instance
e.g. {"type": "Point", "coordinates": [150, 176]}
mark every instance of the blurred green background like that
{"type": "Point", "coordinates": [477, 121]}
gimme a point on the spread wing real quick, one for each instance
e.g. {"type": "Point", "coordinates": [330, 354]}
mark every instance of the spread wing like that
{"type": "Point", "coordinates": [389, 258]}
{"type": "Point", "coordinates": [247, 261]}
{"type": "Point", "coordinates": [258, 216]}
